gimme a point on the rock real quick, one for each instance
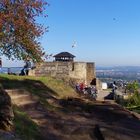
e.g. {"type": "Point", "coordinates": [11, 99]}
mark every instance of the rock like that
{"type": "Point", "coordinates": [6, 136]}
{"type": "Point", "coordinates": [6, 112]}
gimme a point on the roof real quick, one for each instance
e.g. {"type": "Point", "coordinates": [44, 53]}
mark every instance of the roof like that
{"type": "Point", "coordinates": [64, 54]}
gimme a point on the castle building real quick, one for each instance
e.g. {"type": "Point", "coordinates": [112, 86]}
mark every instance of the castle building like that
{"type": "Point", "coordinates": [64, 67]}
{"type": "Point", "coordinates": [64, 56]}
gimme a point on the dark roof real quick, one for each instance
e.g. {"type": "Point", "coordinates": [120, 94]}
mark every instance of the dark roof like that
{"type": "Point", "coordinates": [64, 54]}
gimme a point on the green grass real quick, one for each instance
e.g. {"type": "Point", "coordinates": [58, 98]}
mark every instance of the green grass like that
{"type": "Point", "coordinates": [134, 108]}
{"type": "Point", "coordinates": [45, 88]}
{"type": "Point", "coordinates": [25, 128]}
{"type": "Point", "coordinates": [132, 103]}
{"type": "Point", "coordinates": [37, 85]}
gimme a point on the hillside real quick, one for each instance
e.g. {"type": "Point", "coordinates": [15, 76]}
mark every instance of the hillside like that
{"type": "Point", "coordinates": [47, 108]}
{"type": "Point", "coordinates": [48, 91]}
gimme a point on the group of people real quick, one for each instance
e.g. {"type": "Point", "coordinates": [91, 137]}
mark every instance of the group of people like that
{"type": "Point", "coordinates": [87, 90]}
{"type": "Point", "coordinates": [24, 70]}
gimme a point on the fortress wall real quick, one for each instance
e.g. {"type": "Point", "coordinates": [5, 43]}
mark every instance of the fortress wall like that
{"type": "Point", "coordinates": [54, 69]}
{"type": "Point", "coordinates": [75, 71]}
{"type": "Point", "coordinates": [90, 72]}
{"type": "Point", "coordinates": [78, 71]}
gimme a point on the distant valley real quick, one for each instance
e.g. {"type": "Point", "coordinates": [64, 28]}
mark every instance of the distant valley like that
{"type": "Point", "coordinates": [118, 72]}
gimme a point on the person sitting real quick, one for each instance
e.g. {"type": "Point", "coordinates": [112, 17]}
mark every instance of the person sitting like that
{"type": "Point", "coordinates": [22, 73]}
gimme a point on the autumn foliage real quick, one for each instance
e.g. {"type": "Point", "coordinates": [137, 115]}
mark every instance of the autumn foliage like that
{"type": "Point", "coordinates": [19, 31]}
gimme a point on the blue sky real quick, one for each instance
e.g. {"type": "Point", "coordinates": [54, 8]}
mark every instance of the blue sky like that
{"type": "Point", "coordinates": [106, 32]}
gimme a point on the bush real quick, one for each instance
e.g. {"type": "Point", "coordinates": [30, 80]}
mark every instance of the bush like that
{"type": "Point", "coordinates": [134, 100]}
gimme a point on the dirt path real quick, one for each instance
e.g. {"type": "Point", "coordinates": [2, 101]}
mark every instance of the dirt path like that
{"type": "Point", "coordinates": [77, 119]}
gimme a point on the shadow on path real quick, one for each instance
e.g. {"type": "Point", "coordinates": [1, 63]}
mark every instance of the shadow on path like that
{"type": "Point", "coordinates": [110, 96]}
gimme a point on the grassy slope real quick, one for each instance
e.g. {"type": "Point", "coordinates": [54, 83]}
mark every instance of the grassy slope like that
{"type": "Point", "coordinates": [45, 88]}
{"type": "Point", "coordinates": [37, 85]}
{"type": "Point", "coordinates": [73, 120]}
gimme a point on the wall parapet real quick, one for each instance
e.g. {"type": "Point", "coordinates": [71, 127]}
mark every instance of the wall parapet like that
{"type": "Point", "coordinates": [79, 71]}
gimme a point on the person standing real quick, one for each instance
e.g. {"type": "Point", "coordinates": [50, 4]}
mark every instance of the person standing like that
{"type": "Point", "coordinates": [114, 88]}
{"type": "Point", "coordinates": [27, 67]}
{"type": "Point", "coordinates": [8, 71]}
{"type": "Point", "coordinates": [0, 65]}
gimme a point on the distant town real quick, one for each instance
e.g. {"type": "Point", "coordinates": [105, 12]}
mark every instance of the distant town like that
{"type": "Point", "coordinates": [125, 73]}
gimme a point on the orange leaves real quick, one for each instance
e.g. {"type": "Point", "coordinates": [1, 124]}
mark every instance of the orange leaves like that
{"type": "Point", "coordinates": [18, 30]}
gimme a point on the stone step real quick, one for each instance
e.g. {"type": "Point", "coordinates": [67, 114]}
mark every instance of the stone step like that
{"type": "Point", "coordinates": [40, 121]}
{"type": "Point", "coordinates": [29, 103]}
{"type": "Point", "coordinates": [19, 100]}
{"type": "Point", "coordinates": [14, 90]}
{"type": "Point", "coordinates": [26, 103]}
{"type": "Point", "coordinates": [14, 97]}
{"type": "Point", "coordinates": [21, 97]}
{"type": "Point", "coordinates": [34, 114]}
{"type": "Point", "coordinates": [25, 96]}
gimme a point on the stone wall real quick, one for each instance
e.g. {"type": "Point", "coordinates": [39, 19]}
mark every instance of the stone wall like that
{"type": "Point", "coordinates": [78, 72]}
{"type": "Point", "coordinates": [6, 111]}
{"type": "Point", "coordinates": [75, 71]}
{"type": "Point", "coordinates": [90, 72]}
{"type": "Point", "coordinates": [53, 69]}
